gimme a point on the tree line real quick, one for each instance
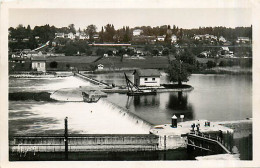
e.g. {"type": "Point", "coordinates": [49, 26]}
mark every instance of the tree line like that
{"type": "Point", "coordinates": [108, 33]}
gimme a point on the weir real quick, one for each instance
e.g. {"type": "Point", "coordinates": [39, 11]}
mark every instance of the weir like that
{"type": "Point", "coordinates": [83, 143]}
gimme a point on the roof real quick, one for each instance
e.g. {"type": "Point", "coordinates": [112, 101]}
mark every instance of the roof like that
{"type": "Point", "coordinates": [138, 30]}
{"type": "Point", "coordinates": [246, 38]}
{"type": "Point", "coordinates": [147, 72]}
{"type": "Point", "coordinates": [38, 58]}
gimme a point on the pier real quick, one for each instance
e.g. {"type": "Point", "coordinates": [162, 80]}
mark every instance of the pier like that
{"type": "Point", "coordinates": [91, 80]}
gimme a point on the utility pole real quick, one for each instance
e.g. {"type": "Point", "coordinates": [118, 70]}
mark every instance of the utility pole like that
{"type": "Point", "coordinates": [66, 138]}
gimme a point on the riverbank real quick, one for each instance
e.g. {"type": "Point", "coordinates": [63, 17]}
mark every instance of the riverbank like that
{"type": "Point", "coordinates": [236, 70]}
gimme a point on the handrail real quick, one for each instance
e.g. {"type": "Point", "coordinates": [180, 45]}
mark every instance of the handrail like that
{"type": "Point", "coordinates": [213, 140]}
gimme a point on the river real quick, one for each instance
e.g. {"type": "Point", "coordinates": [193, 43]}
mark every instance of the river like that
{"type": "Point", "coordinates": [215, 97]}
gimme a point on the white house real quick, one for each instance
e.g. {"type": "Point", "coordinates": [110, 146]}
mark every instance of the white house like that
{"type": "Point", "coordinates": [160, 38]}
{"type": "Point", "coordinates": [225, 48]}
{"type": "Point", "coordinates": [243, 40]}
{"type": "Point", "coordinates": [96, 36]}
{"type": "Point", "coordinates": [137, 32]}
{"type": "Point", "coordinates": [205, 54]}
{"type": "Point", "coordinates": [60, 35]}
{"type": "Point", "coordinates": [83, 36]}
{"type": "Point", "coordinates": [100, 66]}
{"type": "Point", "coordinates": [71, 36]}
{"type": "Point", "coordinates": [173, 38]}
{"type": "Point", "coordinates": [147, 77]}
{"type": "Point", "coordinates": [222, 39]}
{"type": "Point", "coordinates": [39, 63]}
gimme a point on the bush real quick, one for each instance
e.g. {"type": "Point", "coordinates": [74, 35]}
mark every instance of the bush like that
{"type": "Point", "coordinates": [165, 52]}
{"type": "Point", "coordinates": [223, 63]}
{"type": "Point", "coordinates": [211, 64]}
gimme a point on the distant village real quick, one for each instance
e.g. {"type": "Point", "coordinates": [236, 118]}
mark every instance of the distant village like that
{"type": "Point", "coordinates": [126, 43]}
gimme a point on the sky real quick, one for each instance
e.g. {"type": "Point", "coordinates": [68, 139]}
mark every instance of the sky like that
{"type": "Point", "coordinates": [183, 18]}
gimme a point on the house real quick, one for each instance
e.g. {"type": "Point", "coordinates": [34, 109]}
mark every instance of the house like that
{"type": "Point", "coordinates": [160, 38]}
{"type": "Point", "coordinates": [144, 39]}
{"type": "Point", "coordinates": [225, 52]}
{"type": "Point", "coordinates": [225, 48]}
{"type": "Point", "coordinates": [83, 36]}
{"type": "Point", "coordinates": [39, 63]}
{"type": "Point", "coordinates": [147, 77]}
{"type": "Point", "coordinates": [32, 53]}
{"type": "Point", "coordinates": [18, 60]}
{"type": "Point", "coordinates": [222, 39]}
{"type": "Point", "coordinates": [173, 38]}
{"type": "Point", "coordinates": [96, 36]}
{"type": "Point", "coordinates": [27, 50]}
{"type": "Point", "coordinates": [25, 40]}
{"type": "Point", "coordinates": [137, 32]}
{"type": "Point", "coordinates": [60, 35]}
{"type": "Point", "coordinates": [205, 54]}
{"type": "Point", "coordinates": [198, 37]}
{"type": "Point", "coordinates": [243, 40]}
{"type": "Point", "coordinates": [100, 66]}
{"type": "Point", "coordinates": [71, 36]}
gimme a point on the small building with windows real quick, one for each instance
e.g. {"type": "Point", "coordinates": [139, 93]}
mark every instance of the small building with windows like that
{"type": "Point", "coordinates": [39, 63]}
{"type": "Point", "coordinates": [147, 77]}
{"type": "Point", "coordinates": [137, 32]}
{"type": "Point", "coordinates": [100, 67]}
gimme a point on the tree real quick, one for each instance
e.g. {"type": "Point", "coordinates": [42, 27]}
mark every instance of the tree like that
{"type": "Point", "coordinates": [101, 35]}
{"type": "Point", "coordinates": [211, 64]}
{"type": "Point", "coordinates": [109, 33]}
{"type": "Point", "coordinates": [72, 28]}
{"type": "Point", "coordinates": [91, 31]}
{"type": "Point", "coordinates": [179, 71]}
{"type": "Point", "coordinates": [223, 63]}
{"type": "Point", "coordinates": [100, 52]}
{"type": "Point", "coordinates": [155, 52]}
{"type": "Point", "coordinates": [165, 52]}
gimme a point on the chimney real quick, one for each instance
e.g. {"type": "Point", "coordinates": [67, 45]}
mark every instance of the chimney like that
{"type": "Point", "coordinates": [174, 121]}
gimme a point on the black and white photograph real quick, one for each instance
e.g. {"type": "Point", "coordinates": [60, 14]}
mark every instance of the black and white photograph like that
{"type": "Point", "coordinates": [129, 84]}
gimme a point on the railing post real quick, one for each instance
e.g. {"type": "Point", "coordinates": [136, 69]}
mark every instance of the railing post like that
{"type": "Point", "coordinates": [66, 138]}
{"type": "Point", "coordinates": [164, 142]}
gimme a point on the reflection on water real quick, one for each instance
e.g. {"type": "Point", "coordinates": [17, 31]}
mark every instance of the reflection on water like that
{"type": "Point", "coordinates": [156, 109]}
{"type": "Point", "coordinates": [178, 102]}
{"type": "Point", "coordinates": [215, 97]}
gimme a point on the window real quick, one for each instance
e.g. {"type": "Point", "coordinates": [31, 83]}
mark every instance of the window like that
{"type": "Point", "coordinates": [145, 79]}
{"type": "Point", "coordinates": [38, 64]}
{"type": "Point", "coordinates": [153, 79]}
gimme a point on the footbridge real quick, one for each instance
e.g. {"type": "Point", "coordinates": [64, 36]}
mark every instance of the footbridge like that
{"type": "Point", "coordinates": [91, 80]}
{"type": "Point", "coordinates": [207, 143]}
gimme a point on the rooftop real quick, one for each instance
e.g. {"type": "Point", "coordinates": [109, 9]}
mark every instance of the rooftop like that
{"type": "Point", "coordinates": [147, 72]}
{"type": "Point", "coordinates": [38, 58]}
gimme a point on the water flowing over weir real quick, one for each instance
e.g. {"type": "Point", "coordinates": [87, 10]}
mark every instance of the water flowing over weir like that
{"type": "Point", "coordinates": [104, 107]}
